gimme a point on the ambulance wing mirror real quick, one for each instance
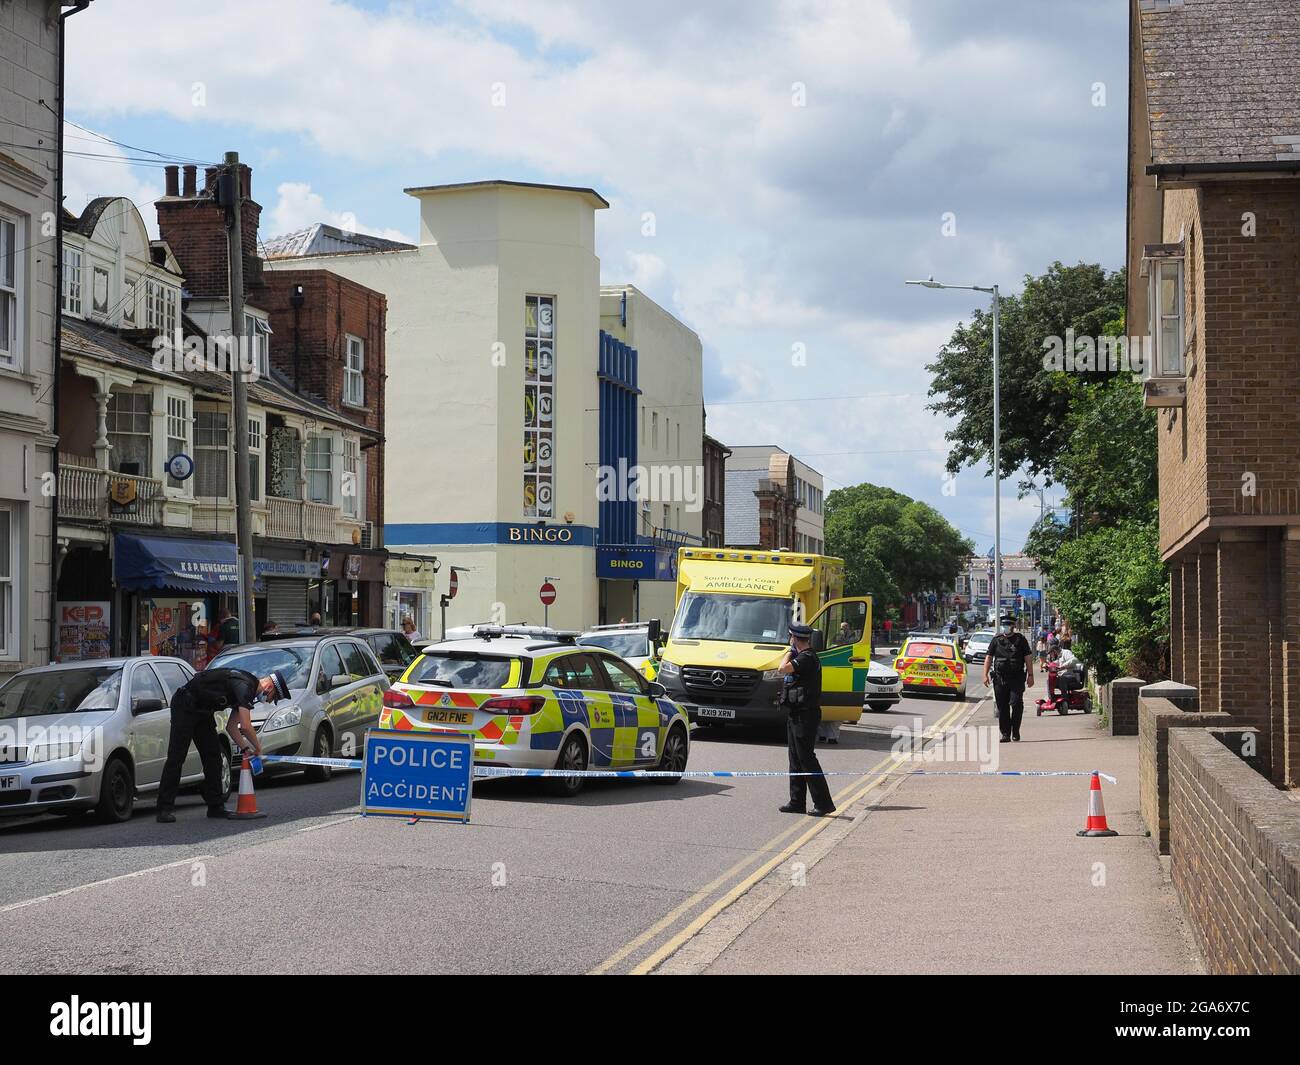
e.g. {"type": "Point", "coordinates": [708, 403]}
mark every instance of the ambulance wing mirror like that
{"type": "Point", "coordinates": [656, 632]}
{"type": "Point", "coordinates": [818, 640]}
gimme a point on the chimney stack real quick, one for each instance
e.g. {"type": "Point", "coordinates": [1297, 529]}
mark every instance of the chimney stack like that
{"type": "Point", "coordinates": [190, 190]}
{"type": "Point", "coordinates": [194, 227]}
{"type": "Point", "coordinates": [173, 185]}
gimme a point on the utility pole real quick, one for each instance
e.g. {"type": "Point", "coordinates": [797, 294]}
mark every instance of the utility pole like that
{"type": "Point", "coordinates": [232, 192]}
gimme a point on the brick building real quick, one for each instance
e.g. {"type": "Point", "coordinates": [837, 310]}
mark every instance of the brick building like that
{"type": "Point", "coordinates": [1214, 279]}
{"type": "Point", "coordinates": [714, 521]}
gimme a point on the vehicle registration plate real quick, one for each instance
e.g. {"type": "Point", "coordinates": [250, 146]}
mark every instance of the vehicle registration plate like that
{"type": "Point", "coordinates": [8, 782]}
{"type": "Point", "coordinates": [724, 712]}
{"type": "Point", "coordinates": [449, 717]}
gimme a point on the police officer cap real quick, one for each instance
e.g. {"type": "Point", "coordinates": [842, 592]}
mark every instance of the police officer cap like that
{"type": "Point", "coordinates": [803, 632]}
{"type": "Point", "coordinates": [281, 685]}
{"type": "Point", "coordinates": [1008, 619]}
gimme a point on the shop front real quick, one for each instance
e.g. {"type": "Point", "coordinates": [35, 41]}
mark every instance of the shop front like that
{"type": "Point", "coordinates": [411, 593]}
{"type": "Point", "coordinates": [636, 581]}
{"type": "Point", "coordinates": [349, 590]}
{"type": "Point", "coordinates": [170, 593]}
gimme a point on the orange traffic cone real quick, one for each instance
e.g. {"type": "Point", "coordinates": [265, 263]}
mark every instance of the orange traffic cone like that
{"type": "Point", "coordinates": [246, 805]}
{"type": "Point", "coordinates": [1096, 825]}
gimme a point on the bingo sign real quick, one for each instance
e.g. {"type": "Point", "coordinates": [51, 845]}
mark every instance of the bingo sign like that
{"type": "Point", "coordinates": [539, 406]}
{"type": "Point", "coordinates": [417, 775]}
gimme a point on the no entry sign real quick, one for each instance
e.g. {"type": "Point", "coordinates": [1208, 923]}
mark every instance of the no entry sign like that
{"type": "Point", "coordinates": [546, 594]}
{"type": "Point", "coordinates": [452, 585]}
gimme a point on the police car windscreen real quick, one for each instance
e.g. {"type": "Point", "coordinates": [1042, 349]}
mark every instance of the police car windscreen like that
{"type": "Point", "coordinates": [626, 644]}
{"type": "Point", "coordinates": [448, 669]}
{"type": "Point", "coordinates": [61, 691]}
{"type": "Point", "coordinates": [735, 618]}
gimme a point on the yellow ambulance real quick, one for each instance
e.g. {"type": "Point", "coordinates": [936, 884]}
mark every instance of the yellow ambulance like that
{"type": "Point", "coordinates": [731, 629]}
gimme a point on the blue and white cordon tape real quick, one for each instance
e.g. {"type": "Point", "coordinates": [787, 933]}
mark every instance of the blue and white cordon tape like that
{"type": "Point", "coordinates": [485, 772]}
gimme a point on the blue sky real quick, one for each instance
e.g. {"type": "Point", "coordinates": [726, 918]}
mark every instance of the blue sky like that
{"type": "Point", "coordinates": [798, 158]}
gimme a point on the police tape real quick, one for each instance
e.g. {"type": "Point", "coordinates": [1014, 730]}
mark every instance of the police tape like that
{"type": "Point", "coordinates": [485, 772]}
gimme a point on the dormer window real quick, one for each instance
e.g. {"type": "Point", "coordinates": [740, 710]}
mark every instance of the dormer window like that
{"type": "Point", "coordinates": [257, 333]}
{"type": "Point", "coordinates": [71, 280]}
{"type": "Point", "coordinates": [161, 303]}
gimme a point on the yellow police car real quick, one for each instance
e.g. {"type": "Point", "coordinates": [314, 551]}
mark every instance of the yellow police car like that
{"type": "Point", "coordinates": [534, 698]}
{"type": "Point", "coordinates": [931, 663]}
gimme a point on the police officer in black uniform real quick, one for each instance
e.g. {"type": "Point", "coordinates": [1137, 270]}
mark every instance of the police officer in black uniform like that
{"type": "Point", "coordinates": [1010, 663]}
{"type": "Point", "coordinates": [193, 719]}
{"type": "Point", "coordinates": [801, 696]}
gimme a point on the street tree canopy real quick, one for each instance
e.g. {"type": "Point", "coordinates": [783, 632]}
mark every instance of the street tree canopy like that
{"type": "Point", "coordinates": [1035, 403]}
{"type": "Point", "coordinates": [892, 545]}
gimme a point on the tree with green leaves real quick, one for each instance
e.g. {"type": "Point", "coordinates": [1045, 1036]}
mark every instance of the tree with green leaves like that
{"type": "Point", "coordinates": [892, 545]}
{"type": "Point", "coordinates": [1035, 403]}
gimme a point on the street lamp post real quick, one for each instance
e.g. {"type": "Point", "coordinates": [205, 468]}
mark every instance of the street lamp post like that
{"type": "Point", "coordinates": [996, 597]}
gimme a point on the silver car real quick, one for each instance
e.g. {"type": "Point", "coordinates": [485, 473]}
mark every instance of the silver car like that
{"type": "Point", "coordinates": [92, 736]}
{"type": "Point", "coordinates": [336, 691]}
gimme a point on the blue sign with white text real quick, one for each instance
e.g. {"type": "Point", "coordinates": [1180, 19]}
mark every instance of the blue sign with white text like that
{"type": "Point", "coordinates": [417, 774]}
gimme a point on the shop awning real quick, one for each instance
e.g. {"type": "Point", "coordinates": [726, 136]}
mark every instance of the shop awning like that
{"type": "Point", "coordinates": [142, 562]}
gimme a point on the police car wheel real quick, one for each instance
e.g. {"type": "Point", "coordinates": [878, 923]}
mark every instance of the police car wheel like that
{"type": "Point", "coordinates": [573, 755]}
{"type": "Point", "coordinates": [673, 760]}
{"type": "Point", "coordinates": [320, 748]}
{"type": "Point", "coordinates": [878, 708]}
{"type": "Point", "coordinates": [116, 792]}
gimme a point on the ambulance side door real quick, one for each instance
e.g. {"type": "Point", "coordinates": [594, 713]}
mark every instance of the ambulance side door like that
{"type": "Point", "coordinates": [845, 627]}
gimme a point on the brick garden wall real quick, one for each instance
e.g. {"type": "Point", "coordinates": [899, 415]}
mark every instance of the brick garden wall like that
{"type": "Point", "coordinates": [1234, 842]}
{"type": "Point", "coordinates": [1155, 719]}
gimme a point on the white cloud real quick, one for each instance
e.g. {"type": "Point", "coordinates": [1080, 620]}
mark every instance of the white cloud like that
{"type": "Point", "coordinates": [94, 166]}
{"type": "Point", "coordinates": [298, 207]}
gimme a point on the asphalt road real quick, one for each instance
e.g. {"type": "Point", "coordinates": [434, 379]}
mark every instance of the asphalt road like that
{"type": "Point", "coordinates": [608, 881]}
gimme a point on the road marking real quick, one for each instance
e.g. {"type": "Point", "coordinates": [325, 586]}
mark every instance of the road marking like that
{"type": "Point", "coordinates": [100, 883]}
{"type": "Point", "coordinates": [703, 893]}
{"type": "Point", "coordinates": [328, 824]}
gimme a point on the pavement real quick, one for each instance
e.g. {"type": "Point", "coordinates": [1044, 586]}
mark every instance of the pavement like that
{"type": "Point", "coordinates": [969, 874]}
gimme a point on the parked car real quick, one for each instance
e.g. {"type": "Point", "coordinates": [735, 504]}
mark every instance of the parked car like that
{"type": "Point", "coordinates": [884, 688]}
{"type": "Point", "coordinates": [977, 646]}
{"type": "Point", "coordinates": [391, 646]}
{"type": "Point", "coordinates": [636, 642]}
{"type": "Point", "coordinates": [336, 688]}
{"type": "Point", "coordinates": [84, 736]}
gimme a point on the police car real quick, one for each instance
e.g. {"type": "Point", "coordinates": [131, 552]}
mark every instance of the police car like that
{"type": "Point", "coordinates": [534, 698]}
{"type": "Point", "coordinates": [932, 663]}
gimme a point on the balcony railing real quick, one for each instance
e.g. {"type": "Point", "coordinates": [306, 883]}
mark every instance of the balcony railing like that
{"type": "Point", "coordinates": [83, 495]}
{"type": "Point", "coordinates": [300, 519]}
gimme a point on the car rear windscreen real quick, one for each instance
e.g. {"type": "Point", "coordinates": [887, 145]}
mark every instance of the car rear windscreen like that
{"type": "Point", "coordinates": [453, 669]}
{"type": "Point", "coordinates": [917, 649]}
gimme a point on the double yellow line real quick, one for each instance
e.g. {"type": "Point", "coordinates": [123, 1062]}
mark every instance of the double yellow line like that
{"type": "Point", "coordinates": [871, 779]}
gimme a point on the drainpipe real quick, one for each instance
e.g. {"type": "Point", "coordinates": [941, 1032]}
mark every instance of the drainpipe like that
{"type": "Point", "coordinates": [55, 562]}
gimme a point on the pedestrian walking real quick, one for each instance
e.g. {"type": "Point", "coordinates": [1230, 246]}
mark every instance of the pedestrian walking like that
{"type": "Point", "coordinates": [1009, 664]}
{"type": "Point", "coordinates": [801, 696]}
{"type": "Point", "coordinates": [193, 720]}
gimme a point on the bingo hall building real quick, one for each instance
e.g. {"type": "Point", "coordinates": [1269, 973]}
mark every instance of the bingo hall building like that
{"type": "Point", "coordinates": [512, 379]}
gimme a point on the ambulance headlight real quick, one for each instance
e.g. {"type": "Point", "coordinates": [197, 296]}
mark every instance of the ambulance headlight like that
{"type": "Point", "coordinates": [286, 718]}
{"type": "Point", "coordinates": [669, 669]}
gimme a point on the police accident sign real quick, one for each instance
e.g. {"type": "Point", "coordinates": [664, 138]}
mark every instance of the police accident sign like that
{"type": "Point", "coordinates": [417, 774]}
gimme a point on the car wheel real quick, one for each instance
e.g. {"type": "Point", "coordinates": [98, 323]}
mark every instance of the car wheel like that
{"type": "Point", "coordinates": [320, 748]}
{"type": "Point", "coordinates": [116, 793]}
{"type": "Point", "coordinates": [673, 760]}
{"type": "Point", "coordinates": [573, 755]}
{"type": "Point", "coordinates": [878, 708]}
{"type": "Point", "coordinates": [227, 773]}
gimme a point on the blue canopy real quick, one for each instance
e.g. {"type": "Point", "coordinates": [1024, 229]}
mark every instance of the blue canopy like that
{"type": "Point", "coordinates": [205, 566]}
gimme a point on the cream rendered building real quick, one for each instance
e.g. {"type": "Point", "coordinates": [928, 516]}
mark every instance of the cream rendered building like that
{"type": "Point", "coordinates": [493, 330]}
{"type": "Point", "coordinates": [669, 443]}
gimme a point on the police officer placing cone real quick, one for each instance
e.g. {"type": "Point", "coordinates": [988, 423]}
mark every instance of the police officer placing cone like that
{"type": "Point", "coordinates": [801, 696]}
{"type": "Point", "coordinates": [193, 718]}
{"type": "Point", "coordinates": [1010, 663]}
